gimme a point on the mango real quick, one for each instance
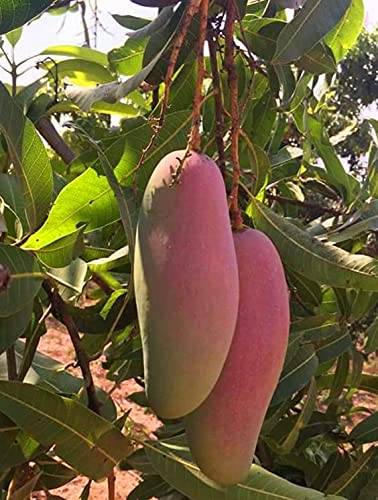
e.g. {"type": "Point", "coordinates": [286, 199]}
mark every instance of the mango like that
{"type": "Point", "coordinates": [223, 431]}
{"type": "Point", "coordinates": [186, 282]}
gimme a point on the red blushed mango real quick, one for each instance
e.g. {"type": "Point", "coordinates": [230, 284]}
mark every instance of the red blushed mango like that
{"type": "Point", "coordinates": [186, 283]}
{"type": "Point", "coordinates": [223, 431]}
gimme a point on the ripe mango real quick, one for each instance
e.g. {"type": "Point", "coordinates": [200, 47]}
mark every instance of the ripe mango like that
{"type": "Point", "coordinates": [186, 282]}
{"type": "Point", "coordinates": [223, 431]}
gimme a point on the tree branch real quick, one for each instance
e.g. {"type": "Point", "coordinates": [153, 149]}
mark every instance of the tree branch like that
{"type": "Point", "coordinates": [54, 140]}
{"type": "Point", "coordinates": [195, 137]}
{"type": "Point", "coordinates": [237, 221]}
{"type": "Point", "coordinates": [219, 117]}
{"type": "Point", "coordinates": [59, 310]}
{"type": "Point", "coordinates": [304, 204]}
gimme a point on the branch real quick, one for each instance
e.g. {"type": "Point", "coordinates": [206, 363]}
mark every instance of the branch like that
{"type": "Point", "coordinates": [83, 9]}
{"type": "Point", "coordinates": [51, 136]}
{"type": "Point", "coordinates": [195, 138]}
{"type": "Point", "coordinates": [219, 118]}
{"type": "Point", "coordinates": [190, 10]}
{"type": "Point", "coordinates": [304, 204]}
{"type": "Point", "coordinates": [59, 310]}
{"type": "Point", "coordinates": [237, 221]}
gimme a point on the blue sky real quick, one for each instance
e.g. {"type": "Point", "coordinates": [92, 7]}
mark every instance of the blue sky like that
{"type": "Point", "coordinates": [54, 30]}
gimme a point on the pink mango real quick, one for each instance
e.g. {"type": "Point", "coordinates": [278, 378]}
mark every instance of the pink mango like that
{"type": "Point", "coordinates": [186, 283]}
{"type": "Point", "coordinates": [223, 431]}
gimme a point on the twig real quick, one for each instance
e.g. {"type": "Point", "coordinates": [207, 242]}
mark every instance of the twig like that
{"type": "Point", "coordinates": [50, 134]}
{"type": "Point", "coordinates": [111, 486]}
{"type": "Point", "coordinates": [11, 363]}
{"type": "Point", "coordinates": [219, 117]}
{"type": "Point", "coordinates": [195, 137]}
{"type": "Point", "coordinates": [304, 204]}
{"type": "Point", "coordinates": [190, 10]}
{"type": "Point", "coordinates": [83, 9]}
{"type": "Point", "coordinates": [237, 221]}
{"type": "Point", "coordinates": [59, 310]}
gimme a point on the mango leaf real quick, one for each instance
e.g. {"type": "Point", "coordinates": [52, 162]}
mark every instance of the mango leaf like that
{"type": "Point", "coordinates": [317, 261]}
{"type": "Point", "coordinates": [81, 72]}
{"type": "Point", "coordinates": [308, 27]}
{"type": "Point", "coordinates": [128, 60]}
{"type": "Point", "coordinates": [83, 439]}
{"type": "Point", "coordinates": [344, 35]}
{"type": "Point", "coordinates": [335, 466]}
{"type": "Point", "coordinates": [369, 491]}
{"type": "Point", "coordinates": [89, 200]}
{"type": "Point", "coordinates": [366, 431]}
{"type": "Point", "coordinates": [334, 346]}
{"type": "Point", "coordinates": [296, 374]}
{"type": "Point", "coordinates": [11, 193]}
{"type": "Point", "coordinates": [23, 286]}
{"type": "Point", "coordinates": [150, 28]}
{"type": "Point", "coordinates": [318, 60]}
{"type": "Point", "coordinates": [74, 51]}
{"type": "Point", "coordinates": [352, 481]}
{"type": "Point", "coordinates": [14, 36]}
{"type": "Point", "coordinates": [346, 182]}
{"type": "Point", "coordinates": [12, 327]}
{"type": "Point", "coordinates": [54, 474]}
{"type": "Point", "coordinates": [372, 337]}
{"type": "Point", "coordinates": [131, 22]}
{"type": "Point", "coordinates": [29, 158]}
{"type": "Point", "coordinates": [316, 328]}
{"type": "Point", "coordinates": [172, 460]}
{"type": "Point", "coordinates": [151, 486]}
{"type": "Point", "coordinates": [15, 13]}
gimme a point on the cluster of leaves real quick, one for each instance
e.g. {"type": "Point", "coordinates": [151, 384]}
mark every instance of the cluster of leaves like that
{"type": "Point", "coordinates": [66, 224]}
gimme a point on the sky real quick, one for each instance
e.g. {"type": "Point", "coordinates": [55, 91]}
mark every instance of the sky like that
{"type": "Point", "coordinates": [67, 30]}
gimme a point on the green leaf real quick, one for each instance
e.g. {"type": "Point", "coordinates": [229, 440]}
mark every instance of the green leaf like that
{"type": "Point", "coordinates": [369, 491]}
{"type": "Point", "coordinates": [88, 200]}
{"type": "Point", "coordinates": [317, 261]}
{"type": "Point", "coordinates": [11, 193]}
{"type": "Point", "coordinates": [12, 327]}
{"type": "Point", "coordinates": [63, 251]}
{"type": "Point", "coordinates": [83, 53]}
{"type": "Point", "coordinates": [316, 328]}
{"type": "Point", "coordinates": [87, 442]}
{"type": "Point", "coordinates": [172, 460]}
{"type": "Point", "coordinates": [318, 60]}
{"type": "Point", "coordinates": [334, 346]}
{"type": "Point", "coordinates": [336, 465]}
{"type": "Point", "coordinates": [81, 72]}
{"type": "Point", "coordinates": [29, 158]}
{"type": "Point", "coordinates": [15, 13]}
{"type": "Point", "coordinates": [151, 486]}
{"type": "Point", "coordinates": [14, 36]}
{"type": "Point", "coordinates": [128, 60]}
{"type": "Point", "coordinates": [256, 162]}
{"type": "Point", "coordinates": [345, 33]}
{"type": "Point", "coordinates": [366, 431]}
{"type": "Point", "coordinates": [372, 337]}
{"type": "Point", "coordinates": [53, 473]}
{"type": "Point", "coordinates": [308, 27]}
{"type": "Point", "coordinates": [346, 182]}
{"type": "Point", "coordinates": [131, 22]}
{"type": "Point", "coordinates": [23, 285]}
{"type": "Point", "coordinates": [296, 374]}
{"type": "Point", "coordinates": [352, 481]}
{"type": "Point", "coordinates": [156, 24]}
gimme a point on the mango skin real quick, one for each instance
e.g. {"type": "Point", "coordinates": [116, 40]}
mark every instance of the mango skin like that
{"type": "Point", "coordinates": [186, 283]}
{"type": "Point", "coordinates": [223, 431]}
